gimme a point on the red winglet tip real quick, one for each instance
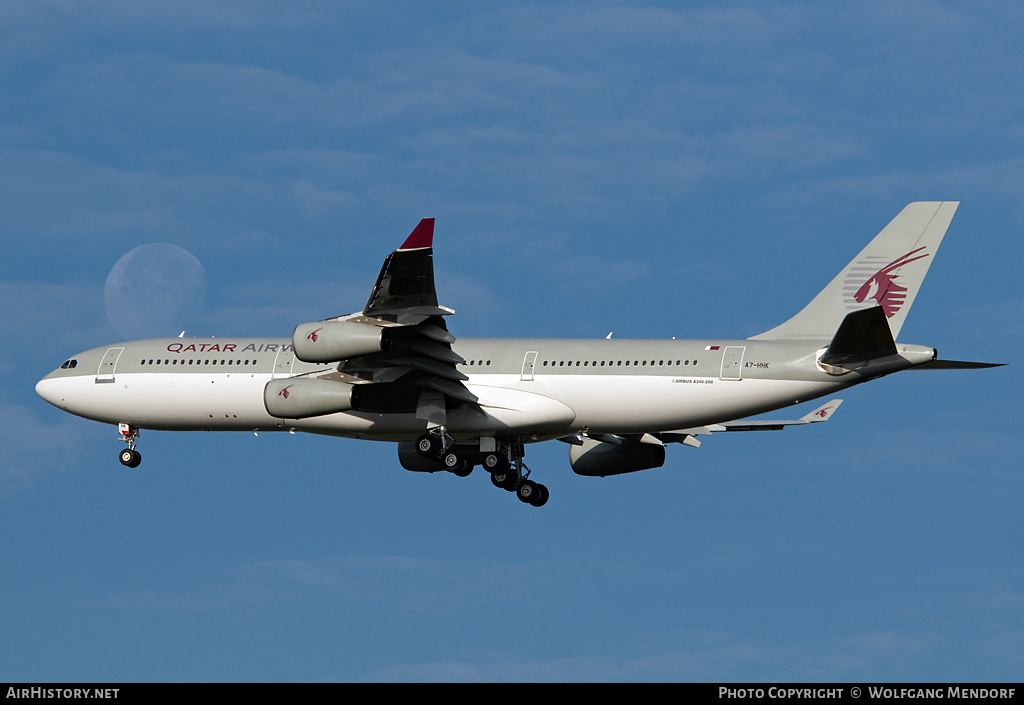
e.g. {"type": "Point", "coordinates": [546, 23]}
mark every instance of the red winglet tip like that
{"type": "Point", "coordinates": [422, 236]}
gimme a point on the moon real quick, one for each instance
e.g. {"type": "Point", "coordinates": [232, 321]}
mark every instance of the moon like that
{"type": "Point", "coordinates": [154, 291]}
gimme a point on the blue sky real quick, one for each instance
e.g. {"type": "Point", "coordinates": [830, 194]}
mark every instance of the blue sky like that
{"type": "Point", "coordinates": [652, 169]}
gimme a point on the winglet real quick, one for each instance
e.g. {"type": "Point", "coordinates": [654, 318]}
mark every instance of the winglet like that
{"type": "Point", "coordinates": [822, 413]}
{"type": "Point", "coordinates": [422, 236]}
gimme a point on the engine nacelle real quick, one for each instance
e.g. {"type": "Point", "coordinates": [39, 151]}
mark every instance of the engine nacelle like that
{"type": "Point", "coordinates": [597, 459]}
{"type": "Point", "coordinates": [331, 341]}
{"type": "Point", "coordinates": [302, 397]}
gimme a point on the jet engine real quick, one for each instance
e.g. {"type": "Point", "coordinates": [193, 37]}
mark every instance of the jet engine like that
{"type": "Point", "coordinates": [302, 397]}
{"type": "Point", "coordinates": [331, 341]}
{"type": "Point", "coordinates": [598, 459]}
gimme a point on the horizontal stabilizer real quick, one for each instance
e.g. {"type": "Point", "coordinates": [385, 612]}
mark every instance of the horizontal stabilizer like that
{"type": "Point", "coordinates": [862, 336]}
{"type": "Point", "coordinates": [956, 365]}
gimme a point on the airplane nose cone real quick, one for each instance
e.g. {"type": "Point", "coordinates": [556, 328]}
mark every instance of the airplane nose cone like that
{"type": "Point", "coordinates": [49, 390]}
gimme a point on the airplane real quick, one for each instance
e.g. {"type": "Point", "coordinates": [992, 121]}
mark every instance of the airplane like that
{"type": "Point", "coordinates": [393, 372]}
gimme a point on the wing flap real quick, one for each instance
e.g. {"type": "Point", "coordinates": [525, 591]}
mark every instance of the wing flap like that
{"type": "Point", "coordinates": [451, 389]}
{"type": "Point", "coordinates": [431, 367]}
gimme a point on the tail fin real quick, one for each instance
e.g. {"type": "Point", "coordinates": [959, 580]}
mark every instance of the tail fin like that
{"type": "Point", "coordinates": [887, 273]}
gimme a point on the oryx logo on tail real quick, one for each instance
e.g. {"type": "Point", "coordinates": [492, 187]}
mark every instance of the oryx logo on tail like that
{"type": "Point", "coordinates": [881, 286]}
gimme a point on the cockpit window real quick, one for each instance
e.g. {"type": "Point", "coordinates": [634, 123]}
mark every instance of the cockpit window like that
{"type": "Point", "coordinates": [69, 364]}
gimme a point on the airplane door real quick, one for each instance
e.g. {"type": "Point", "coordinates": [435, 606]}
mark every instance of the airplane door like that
{"type": "Point", "coordinates": [732, 362]}
{"type": "Point", "coordinates": [528, 364]}
{"type": "Point", "coordinates": [106, 371]}
{"type": "Point", "coordinates": [283, 363]}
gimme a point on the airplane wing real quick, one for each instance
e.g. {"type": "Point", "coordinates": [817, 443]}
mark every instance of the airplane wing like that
{"type": "Point", "coordinates": [687, 436]}
{"type": "Point", "coordinates": [414, 353]}
{"type": "Point", "coordinates": [405, 285]}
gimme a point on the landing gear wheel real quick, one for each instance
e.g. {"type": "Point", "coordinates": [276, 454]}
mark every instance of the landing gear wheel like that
{"type": "Point", "coordinates": [428, 446]}
{"type": "Point", "coordinates": [455, 463]}
{"type": "Point", "coordinates": [532, 493]}
{"type": "Point", "coordinates": [540, 498]}
{"type": "Point", "coordinates": [527, 491]}
{"type": "Point", "coordinates": [130, 458]}
{"type": "Point", "coordinates": [505, 480]}
{"type": "Point", "coordinates": [466, 471]}
{"type": "Point", "coordinates": [495, 462]}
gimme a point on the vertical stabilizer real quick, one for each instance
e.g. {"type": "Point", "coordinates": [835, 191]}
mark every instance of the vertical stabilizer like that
{"type": "Point", "coordinates": [887, 273]}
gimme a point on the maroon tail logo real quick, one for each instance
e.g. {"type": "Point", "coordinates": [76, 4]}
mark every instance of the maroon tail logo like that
{"type": "Point", "coordinates": [313, 336]}
{"type": "Point", "coordinates": [284, 392]}
{"type": "Point", "coordinates": [882, 286]}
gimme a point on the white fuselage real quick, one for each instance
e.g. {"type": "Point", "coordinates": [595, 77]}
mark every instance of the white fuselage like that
{"type": "Point", "coordinates": [529, 389]}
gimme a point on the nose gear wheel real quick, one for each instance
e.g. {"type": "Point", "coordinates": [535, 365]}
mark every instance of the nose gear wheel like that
{"type": "Point", "coordinates": [129, 457]}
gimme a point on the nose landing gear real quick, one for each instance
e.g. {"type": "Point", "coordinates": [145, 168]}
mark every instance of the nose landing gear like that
{"type": "Point", "coordinates": [129, 457]}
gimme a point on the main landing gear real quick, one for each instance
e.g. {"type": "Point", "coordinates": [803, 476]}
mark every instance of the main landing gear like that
{"type": "Point", "coordinates": [438, 445]}
{"type": "Point", "coordinates": [505, 465]}
{"type": "Point", "coordinates": [129, 456]}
